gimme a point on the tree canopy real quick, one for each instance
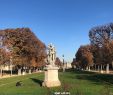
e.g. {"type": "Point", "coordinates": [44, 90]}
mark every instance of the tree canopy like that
{"type": "Point", "coordinates": [100, 49]}
{"type": "Point", "coordinates": [101, 38]}
{"type": "Point", "coordinates": [23, 46]}
{"type": "Point", "coordinates": [84, 56]}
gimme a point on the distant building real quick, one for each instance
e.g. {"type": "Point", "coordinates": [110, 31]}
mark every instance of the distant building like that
{"type": "Point", "coordinates": [67, 65]}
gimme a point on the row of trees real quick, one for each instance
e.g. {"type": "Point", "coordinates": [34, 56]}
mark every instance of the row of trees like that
{"type": "Point", "coordinates": [58, 62]}
{"type": "Point", "coordinates": [84, 57]}
{"type": "Point", "coordinates": [21, 48]}
{"type": "Point", "coordinates": [100, 50]}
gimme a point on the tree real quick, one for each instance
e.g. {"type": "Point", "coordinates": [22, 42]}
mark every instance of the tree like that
{"type": "Point", "coordinates": [4, 54]}
{"type": "Point", "coordinates": [101, 38]}
{"type": "Point", "coordinates": [101, 35]}
{"type": "Point", "coordinates": [58, 62]}
{"type": "Point", "coordinates": [74, 63]}
{"type": "Point", "coordinates": [84, 56]}
{"type": "Point", "coordinates": [23, 46]}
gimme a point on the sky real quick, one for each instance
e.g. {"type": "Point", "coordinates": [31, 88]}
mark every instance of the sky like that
{"type": "Point", "coordinates": [65, 23]}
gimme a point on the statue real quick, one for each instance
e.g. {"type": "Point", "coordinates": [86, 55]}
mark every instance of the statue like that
{"type": "Point", "coordinates": [51, 71]}
{"type": "Point", "coordinates": [51, 55]}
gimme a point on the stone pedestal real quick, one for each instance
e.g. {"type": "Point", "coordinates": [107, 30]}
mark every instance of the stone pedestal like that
{"type": "Point", "coordinates": [51, 77]}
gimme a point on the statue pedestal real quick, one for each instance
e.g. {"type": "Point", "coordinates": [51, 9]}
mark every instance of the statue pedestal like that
{"type": "Point", "coordinates": [51, 77]}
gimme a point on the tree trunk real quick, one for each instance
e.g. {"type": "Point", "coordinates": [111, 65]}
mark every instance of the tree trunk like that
{"type": "Point", "coordinates": [103, 67]}
{"type": "Point", "coordinates": [88, 68]}
{"type": "Point", "coordinates": [1, 72]}
{"type": "Point", "coordinates": [98, 68]}
{"type": "Point", "coordinates": [63, 69]}
{"type": "Point", "coordinates": [101, 71]}
{"type": "Point", "coordinates": [11, 72]}
{"type": "Point", "coordinates": [19, 71]}
{"type": "Point", "coordinates": [24, 72]}
{"type": "Point", "coordinates": [112, 64]}
{"type": "Point", "coordinates": [37, 70]}
{"type": "Point", "coordinates": [95, 67]}
{"type": "Point", "coordinates": [29, 71]}
{"type": "Point", "coordinates": [11, 69]}
{"type": "Point", "coordinates": [107, 68]}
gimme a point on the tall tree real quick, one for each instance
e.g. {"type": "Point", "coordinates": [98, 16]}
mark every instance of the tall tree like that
{"type": "Point", "coordinates": [58, 62]}
{"type": "Point", "coordinates": [84, 56]}
{"type": "Point", "coordinates": [101, 39]}
{"type": "Point", "coordinates": [101, 35]}
{"type": "Point", "coordinates": [23, 46]}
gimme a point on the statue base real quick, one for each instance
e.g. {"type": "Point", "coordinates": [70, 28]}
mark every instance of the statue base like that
{"type": "Point", "coordinates": [51, 77]}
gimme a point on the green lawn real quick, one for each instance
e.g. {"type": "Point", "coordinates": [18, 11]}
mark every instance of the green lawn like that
{"type": "Point", "coordinates": [77, 82]}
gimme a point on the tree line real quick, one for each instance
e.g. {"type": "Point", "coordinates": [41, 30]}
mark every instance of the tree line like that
{"type": "Point", "coordinates": [21, 47]}
{"type": "Point", "coordinates": [99, 53]}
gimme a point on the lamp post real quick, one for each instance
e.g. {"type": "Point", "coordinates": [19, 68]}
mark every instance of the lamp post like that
{"type": "Point", "coordinates": [63, 59]}
{"type": "Point", "coordinates": [63, 63]}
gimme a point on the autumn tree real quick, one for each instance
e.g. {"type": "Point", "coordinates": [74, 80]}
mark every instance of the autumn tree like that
{"type": "Point", "coordinates": [24, 46]}
{"type": "Point", "coordinates": [74, 63]}
{"type": "Point", "coordinates": [101, 38]}
{"type": "Point", "coordinates": [58, 62]}
{"type": "Point", "coordinates": [4, 55]}
{"type": "Point", "coordinates": [84, 57]}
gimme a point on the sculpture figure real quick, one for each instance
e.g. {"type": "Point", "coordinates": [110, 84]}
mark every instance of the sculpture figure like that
{"type": "Point", "coordinates": [51, 55]}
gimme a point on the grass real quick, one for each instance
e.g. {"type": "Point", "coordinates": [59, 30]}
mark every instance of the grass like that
{"type": "Point", "coordinates": [76, 82]}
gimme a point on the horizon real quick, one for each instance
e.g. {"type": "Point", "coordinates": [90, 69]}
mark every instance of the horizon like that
{"type": "Point", "coordinates": [65, 23]}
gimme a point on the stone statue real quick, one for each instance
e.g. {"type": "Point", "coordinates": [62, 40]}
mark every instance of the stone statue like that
{"type": "Point", "coordinates": [51, 71]}
{"type": "Point", "coordinates": [51, 55]}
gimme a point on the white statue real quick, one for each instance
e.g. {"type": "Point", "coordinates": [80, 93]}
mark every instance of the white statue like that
{"type": "Point", "coordinates": [51, 71]}
{"type": "Point", "coordinates": [51, 55]}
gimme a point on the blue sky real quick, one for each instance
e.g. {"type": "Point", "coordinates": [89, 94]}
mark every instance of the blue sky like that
{"type": "Point", "coordinates": [65, 23]}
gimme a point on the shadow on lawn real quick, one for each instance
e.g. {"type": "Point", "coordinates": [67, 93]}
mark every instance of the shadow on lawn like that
{"type": "Point", "coordinates": [37, 81]}
{"type": "Point", "coordinates": [78, 71]}
{"type": "Point", "coordinates": [94, 77]}
{"type": "Point", "coordinates": [97, 78]}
